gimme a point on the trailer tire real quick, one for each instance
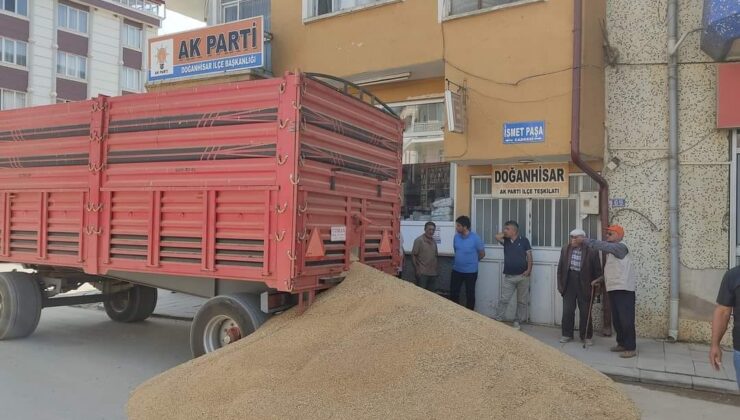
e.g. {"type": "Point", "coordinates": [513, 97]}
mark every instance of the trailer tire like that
{"type": "Point", "coordinates": [134, 305]}
{"type": "Point", "coordinates": [20, 304]}
{"type": "Point", "coordinates": [223, 320]}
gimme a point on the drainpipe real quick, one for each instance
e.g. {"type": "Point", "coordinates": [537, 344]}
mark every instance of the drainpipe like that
{"type": "Point", "coordinates": [575, 131]}
{"type": "Point", "coordinates": [673, 164]}
{"type": "Point", "coordinates": [575, 136]}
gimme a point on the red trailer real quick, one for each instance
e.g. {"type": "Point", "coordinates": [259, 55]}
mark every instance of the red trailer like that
{"type": "Point", "coordinates": [255, 194]}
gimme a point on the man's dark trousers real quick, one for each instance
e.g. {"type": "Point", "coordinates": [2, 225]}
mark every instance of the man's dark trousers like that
{"type": "Point", "coordinates": [623, 318]}
{"type": "Point", "coordinates": [574, 294]}
{"type": "Point", "coordinates": [456, 281]}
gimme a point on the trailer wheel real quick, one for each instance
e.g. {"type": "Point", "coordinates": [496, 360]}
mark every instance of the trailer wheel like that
{"type": "Point", "coordinates": [134, 305]}
{"type": "Point", "coordinates": [223, 320]}
{"type": "Point", "coordinates": [20, 304]}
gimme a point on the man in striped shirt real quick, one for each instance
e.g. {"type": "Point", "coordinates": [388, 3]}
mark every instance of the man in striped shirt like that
{"type": "Point", "coordinates": [577, 268]}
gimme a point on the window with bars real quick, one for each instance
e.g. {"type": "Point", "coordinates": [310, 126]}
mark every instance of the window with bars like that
{"type": "Point", "coordinates": [546, 222]}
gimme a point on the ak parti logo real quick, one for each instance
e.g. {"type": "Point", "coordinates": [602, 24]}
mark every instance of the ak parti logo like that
{"type": "Point", "coordinates": [161, 57]}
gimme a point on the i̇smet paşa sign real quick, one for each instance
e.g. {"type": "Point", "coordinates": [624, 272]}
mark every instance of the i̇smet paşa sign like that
{"type": "Point", "coordinates": [541, 180]}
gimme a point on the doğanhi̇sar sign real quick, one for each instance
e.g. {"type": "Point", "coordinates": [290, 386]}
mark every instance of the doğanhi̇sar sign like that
{"type": "Point", "coordinates": [215, 49]}
{"type": "Point", "coordinates": [546, 180]}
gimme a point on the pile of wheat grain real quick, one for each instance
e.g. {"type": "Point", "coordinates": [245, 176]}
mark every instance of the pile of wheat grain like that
{"type": "Point", "coordinates": [377, 347]}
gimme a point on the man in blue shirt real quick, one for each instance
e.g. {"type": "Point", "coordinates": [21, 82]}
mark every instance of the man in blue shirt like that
{"type": "Point", "coordinates": [517, 270]}
{"type": "Point", "coordinates": [728, 302]}
{"type": "Point", "coordinates": [468, 251]}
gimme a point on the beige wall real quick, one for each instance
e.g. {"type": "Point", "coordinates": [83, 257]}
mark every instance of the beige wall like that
{"type": "Point", "coordinates": [415, 89]}
{"type": "Point", "coordinates": [637, 121]}
{"type": "Point", "coordinates": [529, 40]}
{"type": "Point", "coordinates": [390, 36]}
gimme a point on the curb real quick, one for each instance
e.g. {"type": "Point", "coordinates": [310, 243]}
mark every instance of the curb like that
{"type": "Point", "coordinates": [673, 380]}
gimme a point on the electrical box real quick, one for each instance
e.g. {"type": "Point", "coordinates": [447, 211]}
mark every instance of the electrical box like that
{"type": "Point", "coordinates": [589, 202]}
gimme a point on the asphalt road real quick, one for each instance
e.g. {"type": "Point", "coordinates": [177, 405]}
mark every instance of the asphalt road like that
{"type": "Point", "coordinates": [80, 365]}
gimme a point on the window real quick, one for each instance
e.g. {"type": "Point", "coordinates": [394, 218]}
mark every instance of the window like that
{"type": "Point", "coordinates": [546, 222]}
{"type": "Point", "coordinates": [325, 7]}
{"type": "Point", "coordinates": [131, 79]}
{"type": "Point", "coordinates": [457, 7]}
{"type": "Point", "coordinates": [15, 6]}
{"type": "Point", "coordinates": [426, 177]}
{"type": "Point", "coordinates": [12, 99]}
{"type": "Point", "coordinates": [232, 10]}
{"type": "Point", "coordinates": [71, 65]}
{"type": "Point", "coordinates": [13, 52]}
{"type": "Point", "coordinates": [71, 18]}
{"type": "Point", "coordinates": [132, 36]}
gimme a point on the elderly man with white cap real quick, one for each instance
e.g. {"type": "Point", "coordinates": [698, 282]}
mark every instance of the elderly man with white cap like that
{"type": "Point", "coordinates": [579, 265]}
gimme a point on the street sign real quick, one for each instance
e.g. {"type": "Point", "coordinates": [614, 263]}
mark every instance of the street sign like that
{"type": "Point", "coordinates": [524, 132]}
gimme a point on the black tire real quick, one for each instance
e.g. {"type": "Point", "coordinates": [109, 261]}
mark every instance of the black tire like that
{"type": "Point", "coordinates": [239, 310]}
{"type": "Point", "coordinates": [20, 305]}
{"type": "Point", "coordinates": [134, 305]}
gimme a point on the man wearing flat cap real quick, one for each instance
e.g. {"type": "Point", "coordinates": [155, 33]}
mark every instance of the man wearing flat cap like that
{"type": "Point", "coordinates": [620, 277]}
{"type": "Point", "coordinates": [579, 265]}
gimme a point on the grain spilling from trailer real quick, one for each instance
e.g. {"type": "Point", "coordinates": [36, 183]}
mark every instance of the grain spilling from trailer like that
{"type": "Point", "coordinates": [377, 347]}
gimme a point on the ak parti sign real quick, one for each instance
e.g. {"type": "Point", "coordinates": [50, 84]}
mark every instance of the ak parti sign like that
{"type": "Point", "coordinates": [728, 95]}
{"type": "Point", "coordinates": [212, 50]}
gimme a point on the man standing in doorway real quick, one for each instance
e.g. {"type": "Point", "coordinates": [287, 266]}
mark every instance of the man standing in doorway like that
{"type": "Point", "coordinates": [517, 271]}
{"type": "Point", "coordinates": [577, 268]}
{"type": "Point", "coordinates": [621, 279]}
{"type": "Point", "coordinates": [728, 301]}
{"type": "Point", "coordinates": [469, 251]}
{"type": "Point", "coordinates": [424, 255]}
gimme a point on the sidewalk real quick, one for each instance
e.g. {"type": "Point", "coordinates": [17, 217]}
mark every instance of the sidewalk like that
{"type": "Point", "coordinates": [682, 365]}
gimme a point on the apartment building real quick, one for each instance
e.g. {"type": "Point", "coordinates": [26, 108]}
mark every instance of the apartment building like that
{"type": "Point", "coordinates": [510, 62]}
{"type": "Point", "coordinates": [58, 50]}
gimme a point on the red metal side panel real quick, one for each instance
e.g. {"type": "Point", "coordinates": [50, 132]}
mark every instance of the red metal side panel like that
{"type": "Point", "coordinates": [44, 169]}
{"type": "Point", "coordinates": [350, 176]}
{"type": "Point", "coordinates": [45, 147]}
{"type": "Point", "coordinates": [188, 178]}
{"type": "Point", "coordinates": [217, 135]}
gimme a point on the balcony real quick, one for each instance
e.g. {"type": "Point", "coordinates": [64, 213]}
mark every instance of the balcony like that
{"type": "Point", "coordinates": [422, 119]}
{"type": "Point", "coordinates": [152, 8]}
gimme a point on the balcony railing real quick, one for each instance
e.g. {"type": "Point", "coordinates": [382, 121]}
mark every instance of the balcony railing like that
{"type": "Point", "coordinates": [144, 6]}
{"type": "Point", "coordinates": [421, 119]}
